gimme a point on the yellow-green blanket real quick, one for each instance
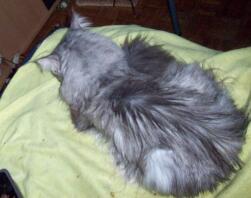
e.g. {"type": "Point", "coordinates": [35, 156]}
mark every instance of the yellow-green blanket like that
{"type": "Point", "coordinates": [48, 158]}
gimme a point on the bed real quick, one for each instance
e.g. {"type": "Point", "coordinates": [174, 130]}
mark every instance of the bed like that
{"type": "Point", "coordinates": [47, 157]}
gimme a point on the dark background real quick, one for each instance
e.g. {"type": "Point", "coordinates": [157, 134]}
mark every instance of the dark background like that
{"type": "Point", "coordinates": [217, 24]}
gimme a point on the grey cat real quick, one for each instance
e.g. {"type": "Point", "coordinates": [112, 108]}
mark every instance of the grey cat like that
{"type": "Point", "coordinates": [170, 126]}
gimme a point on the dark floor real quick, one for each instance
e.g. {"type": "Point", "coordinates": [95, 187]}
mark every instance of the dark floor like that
{"type": "Point", "coordinates": [218, 24]}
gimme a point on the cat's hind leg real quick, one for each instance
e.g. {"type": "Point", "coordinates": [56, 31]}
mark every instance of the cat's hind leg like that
{"type": "Point", "coordinates": [80, 121]}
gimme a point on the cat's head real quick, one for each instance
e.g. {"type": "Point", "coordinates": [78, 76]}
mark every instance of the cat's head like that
{"type": "Point", "coordinates": [55, 61]}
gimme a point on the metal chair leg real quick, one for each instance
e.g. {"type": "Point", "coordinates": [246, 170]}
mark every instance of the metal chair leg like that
{"type": "Point", "coordinates": [174, 18]}
{"type": "Point", "coordinates": [133, 8]}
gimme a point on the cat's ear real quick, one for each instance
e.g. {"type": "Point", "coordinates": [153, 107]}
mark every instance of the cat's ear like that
{"type": "Point", "coordinates": [50, 63]}
{"type": "Point", "coordinates": [79, 22]}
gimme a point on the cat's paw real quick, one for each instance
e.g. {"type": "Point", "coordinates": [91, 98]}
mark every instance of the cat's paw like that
{"type": "Point", "coordinates": [80, 122]}
{"type": "Point", "coordinates": [81, 126]}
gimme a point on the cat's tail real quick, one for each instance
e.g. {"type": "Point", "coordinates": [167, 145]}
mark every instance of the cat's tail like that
{"type": "Point", "coordinates": [180, 140]}
{"type": "Point", "coordinates": [146, 58]}
{"type": "Point", "coordinates": [189, 142]}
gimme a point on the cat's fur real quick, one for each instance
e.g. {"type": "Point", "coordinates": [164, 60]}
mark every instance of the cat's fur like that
{"type": "Point", "coordinates": [171, 127]}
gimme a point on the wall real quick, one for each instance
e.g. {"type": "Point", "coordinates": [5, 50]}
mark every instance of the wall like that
{"type": "Point", "coordinates": [20, 21]}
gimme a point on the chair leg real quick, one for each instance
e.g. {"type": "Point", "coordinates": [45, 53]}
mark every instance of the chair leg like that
{"type": "Point", "coordinates": [114, 2]}
{"type": "Point", "coordinates": [174, 18]}
{"type": "Point", "coordinates": [133, 8]}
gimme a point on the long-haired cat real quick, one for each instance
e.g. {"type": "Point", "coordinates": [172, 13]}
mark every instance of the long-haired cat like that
{"type": "Point", "coordinates": [170, 126]}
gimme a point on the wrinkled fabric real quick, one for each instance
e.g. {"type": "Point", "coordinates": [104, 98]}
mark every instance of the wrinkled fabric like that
{"type": "Point", "coordinates": [47, 157]}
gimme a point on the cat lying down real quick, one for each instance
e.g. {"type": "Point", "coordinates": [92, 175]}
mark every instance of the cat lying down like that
{"type": "Point", "coordinates": [170, 126]}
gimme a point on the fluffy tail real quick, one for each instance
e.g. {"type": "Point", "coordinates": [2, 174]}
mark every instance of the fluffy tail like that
{"type": "Point", "coordinates": [144, 58]}
{"type": "Point", "coordinates": [203, 132]}
{"type": "Point", "coordinates": [157, 124]}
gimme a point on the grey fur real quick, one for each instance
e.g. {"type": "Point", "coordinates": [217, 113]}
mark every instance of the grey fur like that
{"type": "Point", "coordinates": [171, 127]}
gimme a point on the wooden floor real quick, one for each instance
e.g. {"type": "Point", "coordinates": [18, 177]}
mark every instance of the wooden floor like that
{"type": "Point", "coordinates": [218, 24]}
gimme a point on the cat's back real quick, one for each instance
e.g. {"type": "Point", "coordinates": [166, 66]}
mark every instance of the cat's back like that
{"type": "Point", "coordinates": [96, 50]}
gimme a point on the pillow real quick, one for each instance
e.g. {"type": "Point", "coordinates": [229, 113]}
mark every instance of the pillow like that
{"type": "Point", "coordinates": [47, 157]}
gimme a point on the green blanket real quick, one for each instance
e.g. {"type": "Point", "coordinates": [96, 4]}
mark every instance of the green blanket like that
{"type": "Point", "coordinates": [47, 157]}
